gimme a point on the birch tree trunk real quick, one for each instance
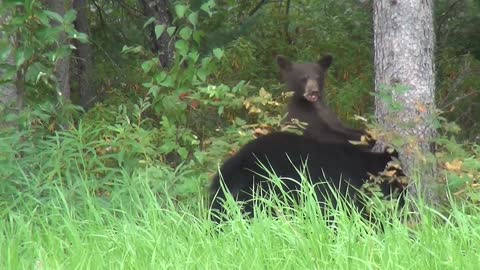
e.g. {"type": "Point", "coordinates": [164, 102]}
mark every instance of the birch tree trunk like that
{"type": "Point", "coordinates": [9, 102]}
{"type": "Point", "coordinates": [62, 67]}
{"type": "Point", "coordinates": [159, 9]}
{"type": "Point", "coordinates": [404, 69]}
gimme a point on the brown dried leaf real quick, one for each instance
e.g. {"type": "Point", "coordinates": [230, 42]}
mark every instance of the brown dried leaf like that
{"type": "Point", "coordinates": [260, 132]}
{"type": "Point", "coordinates": [421, 108]}
{"type": "Point", "coordinates": [390, 173]}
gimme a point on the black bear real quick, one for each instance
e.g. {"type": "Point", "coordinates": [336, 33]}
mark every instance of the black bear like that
{"type": "Point", "coordinates": [344, 166]}
{"type": "Point", "coordinates": [306, 80]}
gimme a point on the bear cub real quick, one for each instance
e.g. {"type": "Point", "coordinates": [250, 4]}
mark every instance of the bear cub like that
{"type": "Point", "coordinates": [344, 167]}
{"type": "Point", "coordinates": [306, 80]}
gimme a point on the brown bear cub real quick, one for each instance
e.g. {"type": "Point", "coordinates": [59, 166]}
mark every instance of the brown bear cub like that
{"type": "Point", "coordinates": [307, 105]}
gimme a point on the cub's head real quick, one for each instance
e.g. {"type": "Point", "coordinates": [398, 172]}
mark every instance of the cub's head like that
{"type": "Point", "coordinates": [305, 80]}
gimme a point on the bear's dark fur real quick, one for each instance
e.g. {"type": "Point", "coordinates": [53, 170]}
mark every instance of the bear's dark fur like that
{"type": "Point", "coordinates": [308, 105]}
{"type": "Point", "coordinates": [344, 166]}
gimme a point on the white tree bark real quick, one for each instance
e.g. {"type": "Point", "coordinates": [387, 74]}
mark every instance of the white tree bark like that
{"type": "Point", "coordinates": [62, 66]}
{"type": "Point", "coordinates": [8, 92]}
{"type": "Point", "coordinates": [159, 9]}
{"type": "Point", "coordinates": [404, 59]}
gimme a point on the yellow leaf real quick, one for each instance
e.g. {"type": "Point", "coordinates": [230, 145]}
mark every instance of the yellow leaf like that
{"type": "Point", "coordinates": [358, 117]}
{"type": "Point", "coordinates": [455, 165]}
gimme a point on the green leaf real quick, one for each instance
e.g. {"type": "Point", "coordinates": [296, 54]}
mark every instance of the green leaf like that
{"type": "Point", "coordinates": [147, 84]}
{"type": "Point", "coordinates": [128, 49]}
{"type": "Point", "coordinates": [54, 16]}
{"type": "Point", "coordinates": [5, 51]}
{"type": "Point", "coordinates": [82, 37]}
{"type": "Point", "coordinates": [185, 33]}
{"type": "Point", "coordinates": [36, 71]}
{"type": "Point", "coordinates": [240, 122]}
{"type": "Point", "coordinates": [49, 35]}
{"type": "Point", "coordinates": [193, 18]}
{"type": "Point", "coordinates": [202, 74]}
{"type": "Point", "coordinates": [199, 155]}
{"type": "Point", "coordinates": [70, 16]}
{"type": "Point", "coordinates": [61, 52]}
{"type": "Point", "coordinates": [125, 49]}
{"type": "Point", "coordinates": [182, 151]}
{"type": "Point", "coordinates": [180, 10]}
{"type": "Point", "coordinates": [154, 90]}
{"type": "Point", "coordinates": [238, 87]}
{"type": "Point", "coordinates": [148, 65]}
{"type": "Point", "coordinates": [160, 77]}
{"type": "Point", "coordinates": [19, 58]}
{"type": "Point", "coordinates": [167, 147]}
{"type": "Point", "coordinates": [159, 30]}
{"type": "Point", "coordinates": [168, 82]}
{"type": "Point", "coordinates": [197, 36]}
{"type": "Point", "coordinates": [218, 53]}
{"type": "Point", "coordinates": [9, 73]}
{"type": "Point", "coordinates": [182, 47]}
{"type": "Point", "coordinates": [158, 107]}
{"type": "Point", "coordinates": [148, 22]}
{"type": "Point", "coordinates": [170, 104]}
{"type": "Point", "coordinates": [206, 61]}
{"type": "Point", "coordinates": [171, 30]}
{"type": "Point", "coordinates": [208, 6]}
{"type": "Point", "coordinates": [194, 55]}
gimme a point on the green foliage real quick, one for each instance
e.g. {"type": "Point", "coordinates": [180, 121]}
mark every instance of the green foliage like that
{"type": "Point", "coordinates": [169, 90]}
{"type": "Point", "coordinates": [32, 41]}
{"type": "Point", "coordinates": [129, 164]}
{"type": "Point", "coordinates": [457, 92]}
{"type": "Point", "coordinates": [455, 26]}
{"type": "Point", "coordinates": [91, 157]}
{"type": "Point", "coordinates": [31, 38]}
{"type": "Point", "coordinates": [459, 163]}
{"type": "Point", "coordinates": [183, 99]}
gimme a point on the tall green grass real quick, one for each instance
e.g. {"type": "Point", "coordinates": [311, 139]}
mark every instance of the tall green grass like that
{"type": "Point", "coordinates": [136, 229]}
{"type": "Point", "coordinates": [65, 207]}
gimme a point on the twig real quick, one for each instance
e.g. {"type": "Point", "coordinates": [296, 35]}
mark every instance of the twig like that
{"type": "Point", "coordinates": [257, 7]}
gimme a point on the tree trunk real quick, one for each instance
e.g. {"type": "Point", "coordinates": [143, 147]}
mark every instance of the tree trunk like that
{"type": "Point", "coordinates": [62, 67]}
{"type": "Point", "coordinates": [159, 9]}
{"type": "Point", "coordinates": [8, 97]}
{"type": "Point", "coordinates": [10, 100]}
{"type": "Point", "coordinates": [404, 69]}
{"type": "Point", "coordinates": [83, 53]}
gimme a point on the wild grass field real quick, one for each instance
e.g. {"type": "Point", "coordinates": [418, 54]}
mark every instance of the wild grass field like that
{"type": "Point", "coordinates": [62, 224]}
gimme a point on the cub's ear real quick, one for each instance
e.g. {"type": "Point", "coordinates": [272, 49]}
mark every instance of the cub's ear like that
{"type": "Point", "coordinates": [284, 63]}
{"type": "Point", "coordinates": [326, 61]}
